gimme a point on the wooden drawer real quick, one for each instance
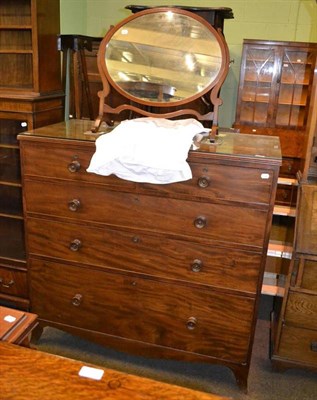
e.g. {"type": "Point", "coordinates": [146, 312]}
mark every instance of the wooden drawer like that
{"type": "Point", "coordinates": [298, 344]}
{"type": "Point", "coordinates": [159, 215]}
{"type": "Point", "coordinates": [301, 310]}
{"type": "Point", "coordinates": [146, 254]}
{"type": "Point", "coordinates": [13, 282]}
{"type": "Point", "coordinates": [210, 181]}
{"type": "Point", "coordinates": [290, 167]}
{"type": "Point", "coordinates": [196, 321]}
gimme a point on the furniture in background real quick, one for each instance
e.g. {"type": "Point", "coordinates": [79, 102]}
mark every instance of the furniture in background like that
{"type": "Point", "coordinates": [80, 75]}
{"type": "Point", "coordinates": [170, 271]}
{"type": "Point", "coordinates": [47, 376]}
{"type": "Point", "coordinates": [294, 320]}
{"type": "Point", "coordinates": [30, 97]}
{"type": "Point", "coordinates": [16, 326]}
{"type": "Point", "coordinates": [274, 98]}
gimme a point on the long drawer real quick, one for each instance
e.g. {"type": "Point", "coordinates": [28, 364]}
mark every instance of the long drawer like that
{"type": "Point", "coordinates": [197, 321]}
{"type": "Point", "coordinates": [154, 255]}
{"type": "Point", "coordinates": [80, 202]}
{"type": "Point", "coordinates": [211, 181]}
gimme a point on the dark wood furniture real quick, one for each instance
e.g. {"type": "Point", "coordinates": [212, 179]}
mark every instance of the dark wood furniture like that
{"type": "Point", "coordinates": [274, 98]}
{"type": "Point", "coordinates": [30, 97]}
{"type": "Point", "coordinates": [47, 376]}
{"type": "Point", "coordinates": [215, 16]}
{"type": "Point", "coordinates": [170, 270]}
{"type": "Point", "coordinates": [16, 326]}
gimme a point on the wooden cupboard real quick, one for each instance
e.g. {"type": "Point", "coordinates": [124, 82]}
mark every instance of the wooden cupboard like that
{"type": "Point", "coordinates": [169, 270]}
{"type": "Point", "coordinates": [30, 97]}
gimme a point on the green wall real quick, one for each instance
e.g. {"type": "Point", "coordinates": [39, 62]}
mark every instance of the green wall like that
{"type": "Point", "coordinates": [291, 20]}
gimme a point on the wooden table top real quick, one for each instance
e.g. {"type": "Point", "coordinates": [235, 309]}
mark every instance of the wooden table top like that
{"type": "Point", "coordinates": [16, 325]}
{"type": "Point", "coordinates": [30, 374]}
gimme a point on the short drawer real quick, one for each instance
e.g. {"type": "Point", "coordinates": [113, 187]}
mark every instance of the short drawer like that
{"type": "Point", "coordinates": [309, 275]}
{"type": "Point", "coordinates": [13, 282]}
{"type": "Point", "coordinates": [298, 344]}
{"type": "Point", "coordinates": [123, 305]}
{"type": "Point", "coordinates": [154, 255]}
{"type": "Point", "coordinates": [64, 162]}
{"type": "Point", "coordinates": [210, 181]}
{"type": "Point", "coordinates": [301, 310]}
{"type": "Point", "coordinates": [184, 218]}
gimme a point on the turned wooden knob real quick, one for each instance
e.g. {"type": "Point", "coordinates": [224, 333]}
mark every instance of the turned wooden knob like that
{"type": "Point", "coordinates": [77, 300]}
{"type": "Point", "coordinates": [6, 285]}
{"type": "Point", "coordinates": [75, 245]}
{"type": "Point", "coordinates": [191, 323]}
{"type": "Point", "coordinates": [74, 205]}
{"type": "Point", "coordinates": [196, 265]}
{"type": "Point", "coordinates": [200, 222]}
{"type": "Point", "coordinates": [74, 166]}
{"type": "Point", "coordinates": [203, 182]}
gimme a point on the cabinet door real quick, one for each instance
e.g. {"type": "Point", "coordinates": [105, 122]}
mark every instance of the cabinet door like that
{"type": "Point", "coordinates": [257, 85]}
{"type": "Point", "coordinates": [295, 78]}
{"type": "Point", "coordinates": [11, 218]}
{"type": "Point", "coordinates": [307, 220]}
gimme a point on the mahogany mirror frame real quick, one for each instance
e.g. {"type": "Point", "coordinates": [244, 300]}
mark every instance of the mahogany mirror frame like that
{"type": "Point", "coordinates": [209, 95]}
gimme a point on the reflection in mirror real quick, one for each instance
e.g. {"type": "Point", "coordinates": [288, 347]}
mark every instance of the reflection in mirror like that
{"type": "Point", "coordinates": [163, 57]}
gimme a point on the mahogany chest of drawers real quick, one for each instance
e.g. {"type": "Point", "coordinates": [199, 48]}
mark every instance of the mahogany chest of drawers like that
{"type": "Point", "coordinates": [161, 270]}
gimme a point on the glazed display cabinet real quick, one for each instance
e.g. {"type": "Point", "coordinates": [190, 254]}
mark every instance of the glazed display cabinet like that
{"type": "Point", "coordinates": [30, 97]}
{"type": "Point", "coordinates": [274, 96]}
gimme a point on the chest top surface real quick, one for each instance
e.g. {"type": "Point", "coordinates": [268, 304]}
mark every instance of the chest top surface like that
{"type": "Point", "coordinates": [256, 147]}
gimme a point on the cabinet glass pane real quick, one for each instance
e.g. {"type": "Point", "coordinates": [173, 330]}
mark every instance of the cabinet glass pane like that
{"type": "Point", "coordinates": [10, 165]}
{"type": "Point", "coordinates": [9, 129]}
{"type": "Point", "coordinates": [296, 73]}
{"type": "Point", "coordinates": [257, 90]}
{"type": "Point", "coordinates": [11, 200]}
{"type": "Point", "coordinates": [12, 238]}
{"type": "Point", "coordinates": [15, 40]}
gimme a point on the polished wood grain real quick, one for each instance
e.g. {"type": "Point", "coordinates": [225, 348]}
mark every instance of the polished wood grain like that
{"type": "Point", "coordinates": [26, 372]}
{"type": "Point", "coordinates": [171, 271]}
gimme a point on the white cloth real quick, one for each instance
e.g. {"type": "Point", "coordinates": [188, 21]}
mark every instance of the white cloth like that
{"type": "Point", "coordinates": [152, 150]}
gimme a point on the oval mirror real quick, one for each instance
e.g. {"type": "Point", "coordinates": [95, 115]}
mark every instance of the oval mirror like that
{"type": "Point", "coordinates": [163, 56]}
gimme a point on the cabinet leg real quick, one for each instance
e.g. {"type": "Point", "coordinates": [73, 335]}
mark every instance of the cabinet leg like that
{"type": "Point", "coordinates": [36, 334]}
{"type": "Point", "coordinates": [241, 376]}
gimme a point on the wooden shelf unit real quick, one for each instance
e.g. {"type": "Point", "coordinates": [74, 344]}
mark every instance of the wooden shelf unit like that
{"type": "Point", "coordinates": [30, 96]}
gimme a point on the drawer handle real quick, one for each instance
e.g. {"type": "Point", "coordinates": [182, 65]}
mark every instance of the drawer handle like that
{"type": "Point", "coordinates": [74, 166]}
{"type": "Point", "coordinates": [77, 300]}
{"type": "Point", "coordinates": [7, 285]}
{"type": "Point", "coordinates": [313, 346]}
{"type": "Point", "coordinates": [75, 245]}
{"type": "Point", "coordinates": [74, 205]}
{"type": "Point", "coordinates": [196, 265]}
{"type": "Point", "coordinates": [203, 182]}
{"type": "Point", "coordinates": [200, 222]}
{"type": "Point", "coordinates": [191, 323]}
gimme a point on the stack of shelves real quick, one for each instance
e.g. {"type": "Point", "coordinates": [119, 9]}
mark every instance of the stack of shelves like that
{"type": "Point", "coordinates": [30, 97]}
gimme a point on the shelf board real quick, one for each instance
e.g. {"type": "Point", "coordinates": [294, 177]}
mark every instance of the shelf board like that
{"type": "Point", "coordinates": [273, 285]}
{"type": "Point", "coordinates": [287, 211]}
{"type": "Point", "coordinates": [280, 249]}
{"type": "Point", "coordinates": [287, 181]}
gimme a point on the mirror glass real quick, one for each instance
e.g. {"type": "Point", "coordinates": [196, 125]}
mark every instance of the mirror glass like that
{"type": "Point", "coordinates": [164, 56]}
